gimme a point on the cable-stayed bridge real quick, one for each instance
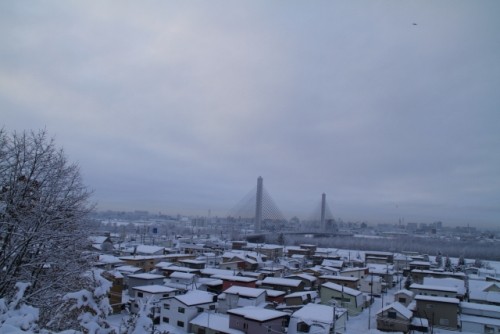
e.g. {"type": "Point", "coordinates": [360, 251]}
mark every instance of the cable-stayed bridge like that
{"type": "Point", "coordinates": [258, 208]}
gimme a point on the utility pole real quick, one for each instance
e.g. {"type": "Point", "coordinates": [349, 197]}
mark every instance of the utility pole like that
{"type": "Point", "coordinates": [371, 302]}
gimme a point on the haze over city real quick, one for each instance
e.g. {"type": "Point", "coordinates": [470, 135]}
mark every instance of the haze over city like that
{"type": "Point", "coordinates": [389, 108]}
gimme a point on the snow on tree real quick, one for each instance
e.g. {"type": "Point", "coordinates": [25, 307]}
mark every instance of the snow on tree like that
{"type": "Point", "coordinates": [15, 315]}
{"type": "Point", "coordinates": [439, 259]}
{"type": "Point", "coordinates": [447, 264]}
{"type": "Point", "coordinates": [140, 322]}
{"type": "Point", "coordinates": [43, 206]}
{"type": "Point", "coordinates": [93, 306]}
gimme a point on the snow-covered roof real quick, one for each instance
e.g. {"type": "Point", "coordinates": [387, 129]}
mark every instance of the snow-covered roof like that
{"type": "Point", "coordinates": [154, 288]}
{"type": "Point", "coordinates": [400, 308]}
{"type": "Point", "coordinates": [282, 281]}
{"type": "Point", "coordinates": [109, 259]}
{"type": "Point", "coordinates": [340, 278]}
{"type": "Point", "coordinates": [98, 239]}
{"type": "Point", "coordinates": [180, 275]}
{"type": "Point", "coordinates": [307, 277]}
{"type": "Point", "coordinates": [128, 269]}
{"type": "Point", "coordinates": [235, 278]}
{"type": "Point", "coordinates": [405, 292]}
{"type": "Point", "coordinates": [274, 293]}
{"type": "Point", "coordinates": [215, 271]}
{"type": "Point", "coordinates": [181, 269]}
{"type": "Point", "coordinates": [482, 307]}
{"type": "Point", "coordinates": [438, 299]}
{"type": "Point", "coordinates": [244, 291]}
{"type": "Point", "coordinates": [191, 261]}
{"type": "Point", "coordinates": [303, 294]}
{"type": "Point", "coordinates": [142, 257]}
{"type": "Point", "coordinates": [433, 287]}
{"type": "Point", "coordinates": [146, 276]}
{"type": "Point", "coordinates": [163, 264]}
{"type": "Point", "coordinates": [341, 288]}
{"type": "Point", "coordinates": [196, 297]}
{"type": "Point", "coordinates": [257, 313]}
{"type": "Point", "coordinates": [315, 312]}
{"type": "Point", "coordinates": [149, 249]}
{"type": "Point", "coordinates": [215, 321]}
{"type": "Point", "coordinates": [480, 320]}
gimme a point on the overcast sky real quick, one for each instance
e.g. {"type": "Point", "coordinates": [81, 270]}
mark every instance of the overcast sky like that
{"type": "Point", "coordinates": [391, 108]}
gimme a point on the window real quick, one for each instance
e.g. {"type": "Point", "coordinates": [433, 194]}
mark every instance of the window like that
{"type": "Point", "coordinates": [402, 300]}
{"type": "Point", "coordinates": [181, 310]}
{"type": "Point", "coordinates": [489, 329]}
{"type": "Point", "coordinates": [166, 306]}
{"type": "Point", "coordinates": [391, 314]}
{"type": "Point", "coordinates": [165, 295]}
{"type": "Point", "coordinates": [245, 325]}
{"type": "Point", "coordinates": [140, 294]}
{"type": "Point", "coordinates": [444, 322]}
{"type": "Point", "coordinates": [303, 327]}
{"type": "Point", "coordinates": [200, 309]}
{"type": "Point", "coordinates": [180, 323]}
{"type": "Point", "coordinates": [166, 320]}
{"type": "Point", "coordinates": [429, 306]}
{"type": "Point", "coordinates": [212, 307]}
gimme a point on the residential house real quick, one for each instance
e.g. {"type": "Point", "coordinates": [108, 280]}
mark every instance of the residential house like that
{"type": "Point", "coordinates": [318, 319]}
{"type": "Point", "coordinates": [300, 298]}
{"type": "Point", "coordinates": [354, 272]}
{"type": "Point", "coordinates": [378, 257]}
{"type": "Point", "coordinates": [439, 311]}
{"type": "Point", "coordinates": [145, 262]}
{"type": "Point", "coordinates": [419, 265]}
{"type": "Point", "coordinates": [371, 284]}
{"type": "Point", "coordinates": [404, 297]}
{"type": "Point", "coordinates": [238, 296]}
{"type": "Point", "coordinates": [212, 323]}
{"type": "Point", "coordinates": [150, 294]}
{"type": "Point", "coordinates": [386, 272]}
{"type": "Point", "coordinates": [116, 291]}
{"type": "Point", "coordinates": [182, 281]}
{"type": "Point", "coordinates": [458, 284]}
{"type": "Point", "coordinates": [310, 281]}
{"type": "Point", "coordinates": [272, 252]}
{"type": "Point", "coordinates": [283, 284]}
{"type": "Point", "coordinates": [146, 250]}
{"type": "Point", "coordinates": [434, 290]}
{"type": "Point", "coordinates": [193, 264]}
{"type": "Point", "coordinates": [479, 318]}
{"type": "Point", "coordinates": [394, 317]}
{"type": "Point", "coordinates": [418, 275]}
{"type": "Point", "coordinates": [229, 281]}
{"type": "Point", "coordinates": [168, 270]}
{"type": "Point", "coordinates": [179, 310]}
{"type": "Point", "coordinates": [339, 264]}
{"type": "Point", "coordinates": [275, 297]}
{"type": "Point", "coordinates": [487, 293]}
{"type": "Point", "coordinates": [108, 262]}
{"type": "Point", "coordinates": [350, 282]}
{"type": "Point", "coordinates": [256, 320]}
{"type": "Point", "coordinates": [101, 243]}
{"type": "Point", "coordinates": [348, 298]}
{"type": "Point", "coordinates": [144, 279]}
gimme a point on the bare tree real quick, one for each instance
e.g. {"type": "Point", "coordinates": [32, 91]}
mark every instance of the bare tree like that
{"type": "Point", "coordinates": [43, 206]}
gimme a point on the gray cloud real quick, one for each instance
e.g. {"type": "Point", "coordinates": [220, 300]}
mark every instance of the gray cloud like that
{"type": "Point", "coordinates": [178, 107]}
